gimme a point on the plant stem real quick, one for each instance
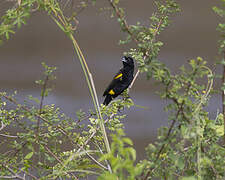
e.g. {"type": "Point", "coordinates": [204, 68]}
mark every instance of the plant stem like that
{"type": "Point", "coordinates": [92, 90]}
{"type": "Point", "coordinates": [223, 97]}
{"type": "Point", "coordinates": [41, 103]}
{"type": "Point", "coordinates": [64, 25]}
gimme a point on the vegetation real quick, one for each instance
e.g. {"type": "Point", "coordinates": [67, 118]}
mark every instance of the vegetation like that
{"type": "Point", "coordinates": [191, 148]}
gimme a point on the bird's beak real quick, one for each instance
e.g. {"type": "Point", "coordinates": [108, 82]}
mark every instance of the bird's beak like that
{"type": "Point", "coordinates": [124, 60]}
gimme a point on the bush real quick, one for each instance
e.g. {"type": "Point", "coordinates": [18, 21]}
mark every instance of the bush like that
{"type": "Point", "coordinates": [190, 148]}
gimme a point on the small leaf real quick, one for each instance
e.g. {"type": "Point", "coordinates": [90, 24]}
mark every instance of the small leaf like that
{"type": "Point", "coordinates": [220, 130]}
{"type": "Point", "coordinates": [128, 141]}
{"type": "Point", "coordinates": [180, 163]}
{"type": "Point", "coordinates": [132, 152]}
{"type": "Point", "coordinates": [29, 155]}
{"type": "Point", "coordinates": [189, 178]}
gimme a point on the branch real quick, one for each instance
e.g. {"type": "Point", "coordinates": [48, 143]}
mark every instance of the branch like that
{"type": "Point", "coordinates": [180, 110]}
{"type": "Point", "coordinates": [45, 120]}
{"type": "Point", "coordinates": [223, 96]}
{"type": "Point", "coordinates": [135, 39]}
{"type": "Point", "coordinates": [41, 103]}
{"type": "Point", "coordinates": [126, 26]}
{"type": "Point", "coordinates": [51, 153]}
{"type": "Point", "coordinates": [15, 175]}
{"type": "Point", "coordinates": [2, 126]}
{"type": "Point", "coordinates": [9, 136]}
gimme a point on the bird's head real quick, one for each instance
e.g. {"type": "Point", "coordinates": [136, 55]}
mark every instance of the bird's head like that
{"type": "Point", "coordinates": [128, 61]}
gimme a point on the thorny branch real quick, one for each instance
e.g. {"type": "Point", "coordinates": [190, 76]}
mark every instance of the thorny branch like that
{"type": "Point", "coordinates": [57, 127]}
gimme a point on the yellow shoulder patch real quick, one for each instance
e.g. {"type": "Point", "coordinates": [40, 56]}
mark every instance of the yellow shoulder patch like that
{"type": "Point", "coordinates": [118, 76]}
{"type": "Point", "coordinates": [111, 92]}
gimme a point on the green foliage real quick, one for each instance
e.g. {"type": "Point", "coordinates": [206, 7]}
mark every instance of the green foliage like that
{"type": "Point", "coordinates": [53, 145]}
{"type": "Point", "coordinates": [221, 28]}
{"type": "Point", "coordinates": [121, 158]}
{"type": "Point", "coordinates": [15, 17]}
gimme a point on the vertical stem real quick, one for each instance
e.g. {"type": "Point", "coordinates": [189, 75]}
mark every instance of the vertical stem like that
{"type": "Point", "coordinates": [223, 95]}
{"type": "Point", "coordinates": [41, 103]}
{"type": "Point", "coordinates": [91, 89]}
{"type": "Point", "coordinates": [39, 119]}
{"type": "Point", "coordinates": [198, 151]}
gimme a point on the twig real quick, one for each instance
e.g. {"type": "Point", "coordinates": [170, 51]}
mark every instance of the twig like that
{"type": "Point", "coordinates": [41, 103]}
{"type": "Point", "coordinates": [35, 114]}
{"type": "Point", "coordinates": [37, 147]}
{"type": "Point", "coordinates": [45, 120]}
{"type": "Point", "coordinates": [223, 97]}
{"type": "Point", "coordinates": [51, 153]}
{"type": "Point", "coordinates": [135, 77]}
{"type": "Point", "coordinates": [93, 134]}
{"type": "Point", "coordinates": [27, 173]}
{"type": "Point", "coordinates": [9, 136]}
{"type": "Point", "coordinates": [96, 162]}
{"type": "Point", "coordinates": [2, 126]}
{"type": "Point", "coordinates": [180, 109]}
{"type": "Point", "coordinates": [126, 26]}
{"type": "Point", "coordinates": [15, 175]}
{"type": "Point", "coordinates": [8, 177]}
{"type": "Point", "coordinates": [109, 167]}
{"type": "Point", "coordinates": [135, 39]}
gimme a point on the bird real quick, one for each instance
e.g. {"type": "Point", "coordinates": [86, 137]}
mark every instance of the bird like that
{"type": "Point", "coordinates": [121, 80]}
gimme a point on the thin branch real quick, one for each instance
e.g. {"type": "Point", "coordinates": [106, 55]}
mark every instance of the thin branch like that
{"type": "Point", "coordinates": [135, 39]}
{"type": "Point", "coordinates": [135, 77]}
{"type": "Point", "coordinates": [9, 136]}
{"type": "Point", "coordinates": [52, 154]}
{"type": "Point", "coordinates": [43, 90]}
{"type": "Point", "coordinates": [41, 103]}
{"type": "Point", "coordinates": [223, 96]}
{"type": "Point", "coordinates": [126, 26]}
{"type": "Point", "coordinates": [2, 126]}
{"type": "Point", "coordinates": [96, 162]}
{"type": "Point", "coordinates": [27, 173]}
{"type": "Point", "coordinates": [109, 167]}
{"type": "Point", "coordinates": [45, 120]}
{"type": "Point", "coordinates": [15, 175]}
{"type": "Point", "coordinates": [93, 134]}
{"type": "Point", "coordinates": [180, 109]}
{"type": "Point", "coordinates": [34, 114]}
{"type": "Point", "coordinates": [8, 177]}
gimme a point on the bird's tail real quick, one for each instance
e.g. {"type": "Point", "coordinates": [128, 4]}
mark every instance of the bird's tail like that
{"type": "Point", "coordinates": [107, 100]}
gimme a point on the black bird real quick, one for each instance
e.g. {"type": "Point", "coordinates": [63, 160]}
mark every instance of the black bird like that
{"type": "Point", "coordinates": [121, 80]}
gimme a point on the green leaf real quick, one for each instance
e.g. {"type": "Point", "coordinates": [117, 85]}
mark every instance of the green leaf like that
{"type": "Point", "coordinates": [219, 130]}
{"type": "Point", "coordinates": [188, 178]}
{"type": "Point", "coordinates": [180, 163]}
{"type": "Point", "coordinates": [132, 152]}
{"type": "Point", "coordinates": [29, 155]}
{"type": "Point", "coordinates": [128, 141]}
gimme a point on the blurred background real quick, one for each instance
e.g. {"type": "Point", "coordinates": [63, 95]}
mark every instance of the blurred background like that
{"type": "Point", "coordinates": [191, 34]}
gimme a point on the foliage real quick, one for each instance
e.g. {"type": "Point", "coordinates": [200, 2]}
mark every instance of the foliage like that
{"type": "Point", "coordinates": [189, 148]}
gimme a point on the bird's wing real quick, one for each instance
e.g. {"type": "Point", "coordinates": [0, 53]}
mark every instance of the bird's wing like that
{"type": "Point", "coordinates": [118, 77]}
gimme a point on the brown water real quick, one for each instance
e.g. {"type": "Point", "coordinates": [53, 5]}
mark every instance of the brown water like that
{"type": "Point", "coordinates": [191, 34]}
